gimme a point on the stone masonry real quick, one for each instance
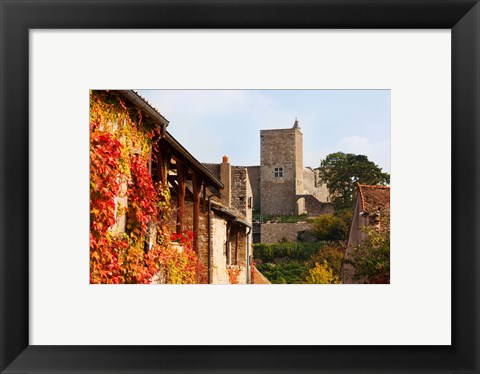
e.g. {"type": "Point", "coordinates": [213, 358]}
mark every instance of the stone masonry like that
{"type": "Point", "coordinates": [280, 184]}
{"type": "Point", "coordinates": [277, 232]}
{"type": "Point", "coordinates": [281, 174]}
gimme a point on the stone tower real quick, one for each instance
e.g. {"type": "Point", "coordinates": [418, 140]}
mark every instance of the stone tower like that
{"type": "Point", "coordinates": [281, 170]}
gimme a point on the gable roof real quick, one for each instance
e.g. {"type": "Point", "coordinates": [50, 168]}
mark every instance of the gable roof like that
{"type": "Point", "coordinates": [374, 198]}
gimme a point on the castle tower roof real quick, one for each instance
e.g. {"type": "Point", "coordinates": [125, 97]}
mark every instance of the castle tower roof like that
{"type": "Point", "coordinates": [296, 125]}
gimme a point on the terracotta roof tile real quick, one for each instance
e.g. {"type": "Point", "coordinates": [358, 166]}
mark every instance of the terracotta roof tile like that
{"type": "Point", "coordinates": [374, 198]}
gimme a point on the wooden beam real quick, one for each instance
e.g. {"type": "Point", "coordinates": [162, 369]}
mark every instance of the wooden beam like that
{"type": "Point", "coordinates": [204, 200]}
{"type": "Point", "coordinates": [237, 240]}
{"type": "Point", "coordinates": [197, 186]}
{"type": "Point", "coordinates": [161, 167]}
{"type": "Point", "coordinates": [173, 181]}
{"type": "Point", "coordinates": [181, 171]}
{"type": "Point", "coordinates": [163, 158]}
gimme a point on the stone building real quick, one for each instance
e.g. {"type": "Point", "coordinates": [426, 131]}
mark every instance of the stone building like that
{"type": "Point", "coordinates": [215, 207]}
{"type": "Point", "coordinates": [236, 202]}
{"type": "Point", "coordinates": [371, 204]}
{"type": "Point", "coordinates": [281, 185]}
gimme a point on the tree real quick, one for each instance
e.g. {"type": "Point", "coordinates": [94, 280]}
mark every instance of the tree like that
{"type": "Point", "coordinates": [342, 171]}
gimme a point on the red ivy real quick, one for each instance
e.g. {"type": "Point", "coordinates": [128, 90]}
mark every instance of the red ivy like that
{"type": "Point", "coordinates": [142, 198]}
{"type": "Point", "coordinates": [104, 249]}
{"type": "Point", "coordinates": [233, 275]}
{"type": "Point", "coordinates": [121, 258]}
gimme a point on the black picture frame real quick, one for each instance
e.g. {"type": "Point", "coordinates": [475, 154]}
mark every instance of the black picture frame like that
{"type": "Point", "coordinates": [19, 16]}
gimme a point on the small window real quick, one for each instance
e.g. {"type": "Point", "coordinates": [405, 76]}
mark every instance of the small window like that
{"type": "Point", "coordinates": [250, 202]}
{"type": "Point", "coordinates": [278, 172]}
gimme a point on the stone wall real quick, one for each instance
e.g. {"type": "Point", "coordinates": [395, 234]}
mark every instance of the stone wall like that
{"type": "Point", "coordinates": [218, 243]}
{"type": "Point", "coordinates": [298, 161]}
{"type": "Point", "coordinates": [239, 189]}
{"type": "Point", "coordinates": [277, 232]}
{"type": "Point", "coordinates": [254, 178]}
{"type": "Point", "coordinates": [214, 168]}
{"type": "Point", "coordinates": [313, 185]}
{"type": "Point", "coordinates": [219, 260]}
{"type": "Point", "coordinates": [314, 207]}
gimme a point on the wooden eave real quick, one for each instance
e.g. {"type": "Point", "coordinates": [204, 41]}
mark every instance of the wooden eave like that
{"type": "Point", "coordinates": [181, 154]}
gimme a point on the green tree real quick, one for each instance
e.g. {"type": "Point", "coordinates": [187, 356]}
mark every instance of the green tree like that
{"type": "Point", "coordinates": [342, 171]}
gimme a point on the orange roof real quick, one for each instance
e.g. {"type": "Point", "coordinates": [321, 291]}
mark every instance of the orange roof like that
{"type": "Point", "coordinates": [374, 197]}
{"type": "Point", "coordinates": [259, 278]}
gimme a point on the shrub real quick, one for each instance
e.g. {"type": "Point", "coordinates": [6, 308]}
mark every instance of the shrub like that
{"type": "Point", "coordinates": [284, 271]}
{"type": "Point", "coordinates": [329, 227]}
{"type": "Point", "coordinates": [322, 274]}
{"type": "Point", "coordinates": [279, 218]}
{"type": "Point", "coordinates": [299, 251]}
{"type": "Point", "coordinates": [371, 258]}
{"type": "Point", "coordinates": [332, 255]}
{"type": "Point", "coordinates": [345, 215]}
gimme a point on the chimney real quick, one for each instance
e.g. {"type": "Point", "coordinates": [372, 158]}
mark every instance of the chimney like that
{"type": "Point", "coordinates": [226, 179]}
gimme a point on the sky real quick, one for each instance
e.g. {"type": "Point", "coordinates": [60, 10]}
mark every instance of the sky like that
{"type": "Point", "coordinates": [214, 123]}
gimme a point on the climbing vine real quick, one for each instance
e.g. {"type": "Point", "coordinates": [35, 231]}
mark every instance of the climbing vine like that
{"type": "Point", "coordinates": [178, 263]}
{"type": "Point", "coordinates": [141, 199]}
{"type": "Point", "coordinates": [104, 247]}
{"type": "Point", "coordinates": [233, 274]}
{"type": "Point", "coordinates": [121, 185]}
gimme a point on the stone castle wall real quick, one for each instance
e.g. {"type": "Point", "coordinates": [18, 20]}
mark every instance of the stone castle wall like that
{"type": "Point", "coordinates": [298, 162]}
{"type": "Point", "coordinates": [277, 232]}
{"type": "Point", "coordinates": [278, 150]}
{"type": "Point", "coordinates": [313, 185]}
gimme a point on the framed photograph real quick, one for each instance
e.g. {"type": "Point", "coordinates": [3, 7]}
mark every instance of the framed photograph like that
{"type": "Point", "coordinates": [215, 132]}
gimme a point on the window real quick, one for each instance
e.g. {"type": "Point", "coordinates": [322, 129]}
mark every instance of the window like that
{"type": "Point", "coordinates": [250, 202]}
{"type": "Point", "coordinates": [278, 172]}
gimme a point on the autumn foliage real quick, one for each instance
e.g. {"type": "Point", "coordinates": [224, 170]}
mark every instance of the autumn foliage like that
{"type": "Point", "coordinates": [233, 274]}
{"type": "Point", "coordinates": [121, 145]}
